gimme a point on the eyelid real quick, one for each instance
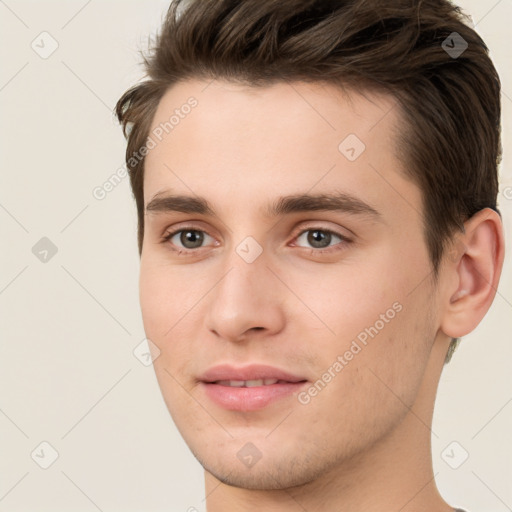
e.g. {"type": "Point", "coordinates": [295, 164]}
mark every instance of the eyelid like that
{"type": "Point", "coordinates": [319, 227]}
{"type": "Point", "coordinates": [169, 234]}
{"type": "Point", "coordinates": [324, 250]}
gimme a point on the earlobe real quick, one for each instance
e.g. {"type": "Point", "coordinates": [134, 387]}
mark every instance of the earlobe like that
{"type": "Point", "coordinates": [475, 272]}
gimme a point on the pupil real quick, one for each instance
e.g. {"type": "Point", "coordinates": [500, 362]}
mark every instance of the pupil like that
{"type": "Point", "coordinates": [317, 238]}
{"type": "Point", "coordinates": [191, 239]}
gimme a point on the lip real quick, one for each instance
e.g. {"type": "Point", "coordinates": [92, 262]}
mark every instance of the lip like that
{"type": "Point", "coordinates": [250, 372]}
{"type": "Point", "coordinates": [249, 398]}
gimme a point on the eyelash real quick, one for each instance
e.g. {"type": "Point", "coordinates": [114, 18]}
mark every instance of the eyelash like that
{"type": "Point", "coordinates": [344, 240]}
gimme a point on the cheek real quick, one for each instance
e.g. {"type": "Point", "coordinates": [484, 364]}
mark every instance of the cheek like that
{"type": "Point", "coordinates": [370, 318]}
{"type": "Point", "coordinates": [167, 304]}
{"type": "Point", "coordinates": [376, 381]}
{"type": "Point", "coordinates": [165, 299]}
{"type": "Point", "coordinates": [344, 299]}
{"type": "Point", "coordinates": [154, 295]}
{"type": "Point", "coordinates": [167, 294]}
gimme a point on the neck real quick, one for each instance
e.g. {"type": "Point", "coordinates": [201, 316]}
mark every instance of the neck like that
{"type": "Point", "coordinates": [393, 474]}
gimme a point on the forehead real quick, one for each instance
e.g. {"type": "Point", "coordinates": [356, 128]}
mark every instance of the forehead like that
{"type": "Point", "coordinates": [290, 111]}
{"type": "Point", "coordinates": [240, 141]}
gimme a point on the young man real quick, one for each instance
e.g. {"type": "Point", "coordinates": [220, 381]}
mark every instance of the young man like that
{"type": "Point", "coordinates": [316, 187]}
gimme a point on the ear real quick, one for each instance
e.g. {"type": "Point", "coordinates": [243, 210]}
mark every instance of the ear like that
{"type": "Point", "coordinates": [474, 267]}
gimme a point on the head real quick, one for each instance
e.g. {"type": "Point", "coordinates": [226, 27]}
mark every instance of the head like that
{"type": "Point", "coordinates": [274, 101]}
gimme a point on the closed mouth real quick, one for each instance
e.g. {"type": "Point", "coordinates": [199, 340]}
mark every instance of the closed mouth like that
{"type": "Point", "coordinates": [252, 383]}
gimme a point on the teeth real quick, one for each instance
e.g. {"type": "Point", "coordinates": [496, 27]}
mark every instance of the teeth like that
{"type": "Point", "coordinates": [253, 383]}
{"type": "Point", "coordinates": [234, 383]}
{"type": "Point", "coordinates": [247, 383]}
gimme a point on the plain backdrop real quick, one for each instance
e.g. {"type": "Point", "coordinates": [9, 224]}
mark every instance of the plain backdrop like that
{"type": "Point", "coordinates": [71, 328]}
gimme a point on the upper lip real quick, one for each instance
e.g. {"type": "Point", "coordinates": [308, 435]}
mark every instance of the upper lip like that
{"type": "Point", "coordinates": [250, 372]}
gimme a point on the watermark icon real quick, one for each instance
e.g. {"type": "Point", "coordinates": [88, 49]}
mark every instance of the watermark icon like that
{"type": "Point", "coordinates": [44, 250]}
{"type": "Point", "coordinates": [357, 345]}
{"type": "Point", "coordinates": [146, 352]}
{"type": "Point", "coordinates": [249, 249]}
{"type": "Point", "coordinates": [455, 455]}
{"type": "Point", "coordinates": [507, 193]}
{"type": "Point", "coordinates": [351, 147]}
{"type": "Point", "coordinates": [44, 455]}
{"type": "Point", "coordinates": [454, 45]}
{"type": "Point", "coordinates": [249, 455]}
{"type": "Point", "coordinates": [44, 45]}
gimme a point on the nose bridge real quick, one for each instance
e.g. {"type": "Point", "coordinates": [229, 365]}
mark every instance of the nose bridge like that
{"type": "Point", "coordinates": [245, 278]}
{"type": "Point", "coordinates": [245, 297]}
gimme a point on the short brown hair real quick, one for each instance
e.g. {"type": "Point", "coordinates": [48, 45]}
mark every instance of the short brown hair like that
{"type": "Point", "coordinates": [450, 103]}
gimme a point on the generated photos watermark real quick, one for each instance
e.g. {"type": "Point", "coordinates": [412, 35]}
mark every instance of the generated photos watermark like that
{"type": "Point", "coordinates": [357, 345]}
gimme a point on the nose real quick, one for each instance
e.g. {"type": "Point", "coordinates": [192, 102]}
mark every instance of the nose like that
{"type": "Point", "coordinates": [247, 301]}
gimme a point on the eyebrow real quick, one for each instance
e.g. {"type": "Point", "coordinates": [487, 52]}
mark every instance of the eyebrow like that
{"type": "Point", "coordinates": [335, 202]}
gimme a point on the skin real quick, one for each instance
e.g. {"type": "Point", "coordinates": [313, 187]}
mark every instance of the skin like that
{"type": "Point", "coordinates": [363, 442]}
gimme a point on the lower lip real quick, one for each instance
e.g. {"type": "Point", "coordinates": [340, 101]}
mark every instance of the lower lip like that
{"type": "Point", "coordinates": [249, 399]}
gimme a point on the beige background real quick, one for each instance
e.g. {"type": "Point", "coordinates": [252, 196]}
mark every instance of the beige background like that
{"type": "Point", "coordinates": [69, 325]}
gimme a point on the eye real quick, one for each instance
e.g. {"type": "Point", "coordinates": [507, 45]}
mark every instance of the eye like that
{"type": "Point", "coordinates": [317, 239]}
{"type": "Point", "coordinates": [320, 238]}
{"type": "Point", "coordinates": [187, 238]}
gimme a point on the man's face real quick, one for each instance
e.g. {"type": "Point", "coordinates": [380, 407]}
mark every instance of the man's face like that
{"type": "Point", "coordinates": [341, 299]}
